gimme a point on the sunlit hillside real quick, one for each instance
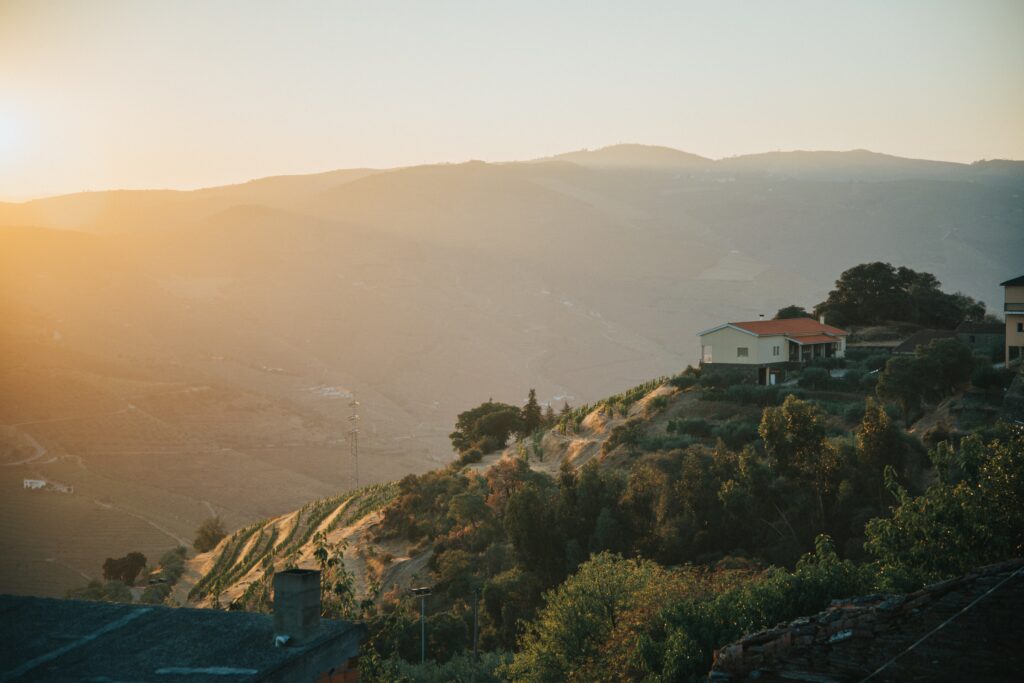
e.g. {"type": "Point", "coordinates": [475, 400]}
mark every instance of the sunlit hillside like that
{"type": "Point", "coordinates": [172, 354]}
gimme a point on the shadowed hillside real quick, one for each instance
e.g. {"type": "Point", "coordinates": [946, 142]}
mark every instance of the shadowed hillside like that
{"type": "Point", "coordinates": [177, 353]}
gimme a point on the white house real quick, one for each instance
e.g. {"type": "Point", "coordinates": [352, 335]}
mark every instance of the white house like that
{"type": "Point", "coordinates": [34, 484]}
{"type": "Point", "coordinates": [770, 345]}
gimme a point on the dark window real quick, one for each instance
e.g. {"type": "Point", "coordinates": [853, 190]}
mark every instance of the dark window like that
{"type": "Point", "coordinates": [742, 352]}
{"type": "Point", "coordinates": [1020, 327]}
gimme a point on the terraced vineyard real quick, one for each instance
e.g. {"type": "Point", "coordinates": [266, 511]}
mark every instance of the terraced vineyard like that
{"type": "Point", "coordinates": [242, 563]}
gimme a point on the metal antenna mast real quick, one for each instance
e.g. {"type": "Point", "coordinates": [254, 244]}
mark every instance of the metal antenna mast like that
{"type": "Point", "coordinates": [353, 437]}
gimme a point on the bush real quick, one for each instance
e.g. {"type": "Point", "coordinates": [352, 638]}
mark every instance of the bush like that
{"type": "Point", "coordinates": [695, 427]}
{"type": "Point", "coordinates": [209, 534]}
{"type": "Point", "coordinates": [736, 433]}
{"type": "Point", "coordinates": [988, 378]}
{"type": "Point", "coordinates": [683, 381]}
{"type": "Point", "coordinates": [814, 378]}
{"type": "Point", "coordinates": [469, 457]}
{"type": "Point", "coordinates": [854, 413]}
{"type": "Point", "coordinates": [720, 379]}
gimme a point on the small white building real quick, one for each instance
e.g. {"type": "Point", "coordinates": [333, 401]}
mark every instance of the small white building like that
{"type": "Point", "coordinates": [770, 345]}
{"type": "Point", "coordinates": [34, 484]}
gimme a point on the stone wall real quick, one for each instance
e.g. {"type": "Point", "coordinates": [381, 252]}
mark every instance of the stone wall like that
{"type": "Point", "coordinates": [965, 629]}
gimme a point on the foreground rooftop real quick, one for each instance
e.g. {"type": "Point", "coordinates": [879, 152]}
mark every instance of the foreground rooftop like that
{"type": "Point", "coordinates": [43, 639]}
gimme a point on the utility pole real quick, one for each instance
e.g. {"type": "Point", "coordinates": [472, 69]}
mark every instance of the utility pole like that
{"type": "Point", "coordinates": [353, 437]}
{"type": "Point", "coordinates": [422, 594]}
{"type": "Point", "coordinates": [476, 623]}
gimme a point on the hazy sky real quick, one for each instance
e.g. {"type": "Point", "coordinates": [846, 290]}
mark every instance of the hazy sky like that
{"type": "Point", "coordinates": [95, 95]}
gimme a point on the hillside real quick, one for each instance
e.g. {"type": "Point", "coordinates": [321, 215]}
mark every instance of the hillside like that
{"type": "Point", "coordinates": [239, 321]}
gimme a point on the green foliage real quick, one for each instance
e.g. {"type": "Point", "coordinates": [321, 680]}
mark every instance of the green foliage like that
{"type": "Point", "coordinates": [814, 378]}
{"type": "Point", "coordinates": [987, 378]}
{"type": "Point", "coordinates": [935, 371]}
{"type": "Point", "coordinates": [209, 534]}
{"type": "Point", "coordinates": [696, 427]}
{"type": "Point", "coordinates": [111, 591]}
{"type": "Point", "coordinates": [124, 569]}
{"type": "Point", "coordinates": [461, 668]}
{"type": "Point", "coordinates": [487, 427]}
{"type": "Point", "coordinates": [532, 418]}
{"type": "Point", "coordinates": [973, 515]}
{"type": "Point", "coordinates": [875, 293]}
{"type": "Point", "coordinates": [902, 382]}
{"type": "Point", "coordinates": [792, 311]}
{"type": "Point", "coordinates": [619, 619]}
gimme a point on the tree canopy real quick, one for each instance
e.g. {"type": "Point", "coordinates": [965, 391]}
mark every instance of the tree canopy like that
{"type": "Point", "coordinates": [875, 293]}
{"type": "Point", "coordinates": [486, 427]}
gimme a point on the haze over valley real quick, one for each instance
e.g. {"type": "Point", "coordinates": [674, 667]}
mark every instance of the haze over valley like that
{"type": "Point", "coordinates": [172, 355]}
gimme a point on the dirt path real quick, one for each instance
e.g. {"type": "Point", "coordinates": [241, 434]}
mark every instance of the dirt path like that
{"type": "Point", "coordinates": [40, 452]}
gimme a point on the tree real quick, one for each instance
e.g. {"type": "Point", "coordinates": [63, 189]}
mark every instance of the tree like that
{"type": "Point", "coordinates": [874, 293]}
{"type": "Point", "coordinates": [532, 417]}
{"type": "Point", "coordinates": [209, 534]}
{"type": "Point", "coordinates": [879, 445]}
{"type": "Point", "coordinates": [901, 381]}
{"type": "Point", "coordinates": [972, 516]}
{"type": "Point", "coordinates": [124, 569]}
{"type": "Point", "coordinates": [792, 311]}
{"type": "Point", "coordinates": [549, 416]}
{"type": "Point", "coordinates": [946, 365]}
{"type": "Point", "coordinates": [486, 427]}
{"type": "Point", "coordinates": [580, 615]}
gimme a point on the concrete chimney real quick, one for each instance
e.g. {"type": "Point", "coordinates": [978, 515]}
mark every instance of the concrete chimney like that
{"type": "Point", "coordinates": [296, 605]}
{"type": "Point", "coordinates": [821, 318]}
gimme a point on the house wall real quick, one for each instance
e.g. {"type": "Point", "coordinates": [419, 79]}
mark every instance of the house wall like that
{"type": "Point", "coordinates": [1014, 309]}
{"type": "Point", "coordinates": [725, 342]}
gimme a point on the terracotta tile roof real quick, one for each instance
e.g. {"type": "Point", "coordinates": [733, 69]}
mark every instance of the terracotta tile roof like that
{"type": "Point", "coordinates": [814, 339]}
{"type": "Point", "coordinates": [793, 327]}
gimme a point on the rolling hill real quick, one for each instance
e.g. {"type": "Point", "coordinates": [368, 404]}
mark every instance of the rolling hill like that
{"type": "Point", "coordinates": [176, 353]}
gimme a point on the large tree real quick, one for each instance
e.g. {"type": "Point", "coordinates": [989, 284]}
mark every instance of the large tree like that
{"type": "Point", "coordinates": [792, 311]}
{"type": "Point", "coordinates": [874, 293]}
{"type": "Point", "coordinates": [486, 427]}
{"type": "Point", "coordinates": [532, 417]}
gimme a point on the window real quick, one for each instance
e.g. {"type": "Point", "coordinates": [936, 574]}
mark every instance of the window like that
{"type": "Point", "coordinates": [775, 350]}
{"type": "Point", "coordinates": [742, 352]}
{"type": "Point", "coordinates": [1020, 327]}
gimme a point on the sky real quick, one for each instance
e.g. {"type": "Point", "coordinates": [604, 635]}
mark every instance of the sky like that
{"type": "Point", "coordinates": [110, 94]}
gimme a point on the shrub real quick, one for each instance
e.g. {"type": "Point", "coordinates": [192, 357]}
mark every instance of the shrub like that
{"type": "Point", "coordinates": [814, 378]}
{"type": "Point", "coordinates": [683, 381]}
{"type": "Point", "coordinates": [695, 427]}
{"type": "Point", "coordinates": [209, 534]}
{"type": "Point", "coordinates": [736, 433]}
{"type": "Point", "coordinates": [988, 378]}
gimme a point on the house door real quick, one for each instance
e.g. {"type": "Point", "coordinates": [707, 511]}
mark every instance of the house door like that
{"type": "Point", "coordinates": [763, 375]}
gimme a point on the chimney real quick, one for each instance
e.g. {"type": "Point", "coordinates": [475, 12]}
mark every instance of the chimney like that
{"type": "Point", "coordinates": [821, 318]}
{"type": "Point", "coordinates": [296, 605]}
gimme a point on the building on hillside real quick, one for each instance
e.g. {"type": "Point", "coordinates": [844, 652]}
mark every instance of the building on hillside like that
{"type": "Point", "coordinates": [1013, 308]}
{"type": "Point", "coordinates": [768, 347]}
{"type": "Point", "coordinates": [988, 339]}
{"type": "Point", "coordinates": [42, 639]}
{"type": "Point", "coordinates": [34, 484]}
{"type": "Point", "coordinates": [921, 338]}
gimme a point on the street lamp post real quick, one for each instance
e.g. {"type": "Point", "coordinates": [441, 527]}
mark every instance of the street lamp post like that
{"type": "Point", "coordinates": [422, 594]}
